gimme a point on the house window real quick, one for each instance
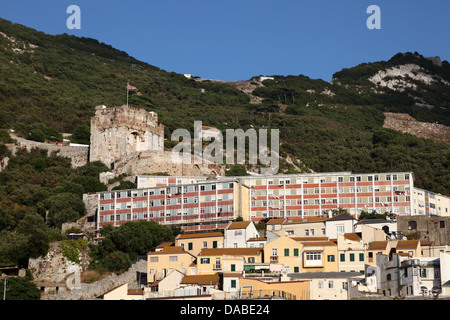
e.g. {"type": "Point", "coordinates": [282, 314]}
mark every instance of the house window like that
{"type": "Point", "coordinates": [233, 283]}
{"type": "Point", "coordinates": [330, 284]}
{"type": "Point", "coordinates": [330, 258]}
{"type": "Point", "coordinates": [204, 260]}
{"type": "Point", "coordinates": [361, 257]}
{"type": "Point", "coordinates": [296, 269]}
{"type": "Point", "coordinates": [388, 277]}
{"type": "Point", "coordinates": [340, 229]}
{"type": "Point", "coordinates": [313, 258]}
{"type": "Point", "coordinates": [295, 252]}
{"type": "Point", "coordinates": [190, 246]}
{"type": "Point", "coordinates": [352, 257]}
{"type": "Point", "coordinates": [342, 257]}
{"type": "Point", "coordinates": [286, 252]}
{"type": "Point", "coordinates": [441, 224]}
{"type": "Point", "coordinates": [173, 258]}
{"type": "Point", "coordinates": [320, 284]}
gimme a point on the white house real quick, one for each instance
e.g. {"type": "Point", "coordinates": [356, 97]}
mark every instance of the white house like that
{"type": "Point", "coordinates": [339, 224]}
{"type": "Point", "coordinates": [238, 233]}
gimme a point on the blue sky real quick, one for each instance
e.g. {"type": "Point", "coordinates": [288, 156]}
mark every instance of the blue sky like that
{"type": "Point", "coordinates": [238, 39]}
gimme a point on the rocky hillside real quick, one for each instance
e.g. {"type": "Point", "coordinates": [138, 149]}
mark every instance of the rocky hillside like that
{"type": "Point", "coordinates": [405, 123]}
{"type": "Point", "coordinates": [50, 84]}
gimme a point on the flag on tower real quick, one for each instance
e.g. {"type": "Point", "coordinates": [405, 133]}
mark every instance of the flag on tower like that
{"type": "Point", "coordinates": [131, 87]}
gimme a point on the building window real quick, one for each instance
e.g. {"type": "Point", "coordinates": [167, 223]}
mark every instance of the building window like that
{"type": "Point", "coordinates": [330, 258]}
{"type": "Point", "coordinates": [204, 260]}
{"type": "Point", "coordinates": [342, 257]}
{"type": "Point", "coordinates": [352, 257]}
{"type": "Point", "coordinates": [388, 277]}
{"type": "Point", "coordinates": [173, 258]}
{"type": "Point", "coordinates": [330, 284]}
{"type": "Point", "coordinates": [190, 246]}
{"type": "Point", "coordinates": [286, 252]}
{"type": "Point", "coordinates": [441, 224]}
{"type": "Point", "coordinates": [412, 225]}
{"type": "Point", "coordinates": [295, 252]}
{"type": "Point", "coordinates": [361, 257]}
{"type": "Point", "coordinates": [233, 283]}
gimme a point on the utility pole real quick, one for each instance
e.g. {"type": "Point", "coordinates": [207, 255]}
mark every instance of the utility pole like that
{"type": "Point", "coordinates": [5, 288]}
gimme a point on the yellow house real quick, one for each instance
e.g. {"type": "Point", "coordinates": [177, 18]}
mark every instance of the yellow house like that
{"type": "Point", "coordinates": [409, 248]}
{"type": "Point", "coordinates": [351, 252]}
{"type": "Point", "coordinates": [291, 290]}
{"type": "Point", "coordinates": [320, 256]}
{"type": "Point", "coordinates": [286, 251]}
{"type": "Point", "coordinates": [161, 263]}
{"type": "Point", "coordinates": [227, 259]}
{"type": "Point", "coordinates": [123, 293]}
{"type": "Point", "coordinates": [299, 255]}
{"type": "Point", "coordinates": [195, 242]}
{"type": "Point", "coordinates": [375, 247]}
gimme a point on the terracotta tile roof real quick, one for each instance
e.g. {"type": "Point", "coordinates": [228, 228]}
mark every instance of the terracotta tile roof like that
{"type": "Point", "coordinates": [407, 244]}
{"type": "Point", "coordinates": [135, 291]}
{"type": "Point", "coordinates": [305, 220]}
{"type": "Point", "coordinates": [352, 236]}
{"type": "Point", "coordinates": [426, 243]}
{"type": "Point", "coordinates": [206, 279]}
{"type": "Point", "coordinates": [257, 239]}
{"type": "Point", "coordinates": [377, 245]}
{"type": "Point", "coordinates": [232, 274]}
{"type": "Point", "coordinates": [199, 235]}
{"type": "Point", "coordinates": [238, 225]}
{"type": "Point", "coordinates": [169, 250]}
{"type": "Point", "coordinates": [276, 221]}
{"type": "Point", "coordinates": [230, 251]}
{"type": "Point", "coordinates": [317, 243]}
{"type": "Point", "coordinates": [165, 244]}
{"type": "Point", "coordinates": [302, 239]}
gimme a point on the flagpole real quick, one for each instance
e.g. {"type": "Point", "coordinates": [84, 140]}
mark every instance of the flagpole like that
{"type": "Point", "coordinates": [128, 86]}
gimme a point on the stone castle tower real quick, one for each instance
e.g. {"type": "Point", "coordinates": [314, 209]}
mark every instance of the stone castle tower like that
{"type": "Point", "coordinates": [130, 140]}
{"type": "Point", "coordinates": [120, 131]}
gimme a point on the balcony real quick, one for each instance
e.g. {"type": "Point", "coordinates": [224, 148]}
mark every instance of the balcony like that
{"type": "Point", "coordinates": [273, 259]}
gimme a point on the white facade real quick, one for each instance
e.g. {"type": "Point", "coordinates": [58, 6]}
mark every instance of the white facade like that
{"type": "Point", "coordinates": [236, 234]}
{"type": "Point", "coordinates": [430, 203]}
{"type": "Point", "coordinates": [339, 225]}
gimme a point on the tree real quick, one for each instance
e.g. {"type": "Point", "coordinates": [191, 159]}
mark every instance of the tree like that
{"type": "Point", "coordinates": [131, 239]}
{"type": "Point", "coordinates": [21, 289]}
{"type": "Point", "coordinates": [117, 261]}
{"type": "Point", "coordinates": [64, 207]}
{"type": "Point", "coordinates": [81, 134]}
{"type": "Point", "coordinates": [237, 170]}
{"type": "Point", "coordinates": [34, 227]}
{"type": "Point", "coordinates": [13, 249]}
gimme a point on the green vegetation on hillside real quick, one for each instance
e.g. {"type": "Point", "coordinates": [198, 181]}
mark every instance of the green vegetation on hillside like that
{"type": "Point", "coordinates": [37, 194]}
{"type": "Point", "coordinates": [325, 126]}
